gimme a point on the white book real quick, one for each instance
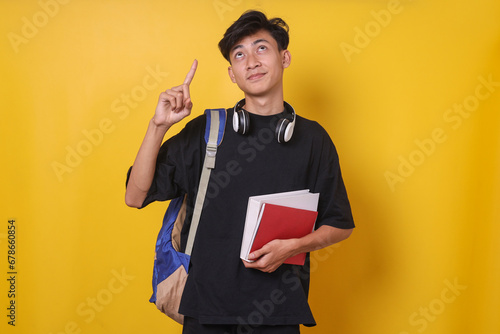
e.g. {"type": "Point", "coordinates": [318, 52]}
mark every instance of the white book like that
{"type": "Point", "coordinates": [299, 199]}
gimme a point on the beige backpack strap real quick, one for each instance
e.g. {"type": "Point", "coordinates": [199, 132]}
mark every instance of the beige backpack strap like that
{"type": "Point", "coordinates": [214, 139]}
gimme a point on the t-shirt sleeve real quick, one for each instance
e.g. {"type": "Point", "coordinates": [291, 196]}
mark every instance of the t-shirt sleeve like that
{"type": "Point", "coordinates": [334, 208]}
{"type": "Point", "coordinates": [177, 163]}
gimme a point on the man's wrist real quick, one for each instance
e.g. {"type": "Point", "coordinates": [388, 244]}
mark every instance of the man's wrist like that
{"type": "Point", "coordinates": [160, 127]}
{"type": "Point", "coordinates": [293, 247]}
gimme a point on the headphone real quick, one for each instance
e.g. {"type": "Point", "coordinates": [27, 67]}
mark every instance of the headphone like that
{"type": "Point", "coordinates": [284, 128]}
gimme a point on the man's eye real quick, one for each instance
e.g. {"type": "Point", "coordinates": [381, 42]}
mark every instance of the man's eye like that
{"type": "Point", "coordinates": [262, 48]}
{"type": "Point", "coordinates": [238, 55]}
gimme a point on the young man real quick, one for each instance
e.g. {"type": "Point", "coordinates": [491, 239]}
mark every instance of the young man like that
{"type": "Point", "coordinates": [224, 294]}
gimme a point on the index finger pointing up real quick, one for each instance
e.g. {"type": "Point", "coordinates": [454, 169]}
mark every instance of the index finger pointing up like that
{"type": "Point", "coordinates": [192, 71]}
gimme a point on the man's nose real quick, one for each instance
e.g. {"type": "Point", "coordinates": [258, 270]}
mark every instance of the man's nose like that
{"type": "Point", "coordinates": [252, 61]}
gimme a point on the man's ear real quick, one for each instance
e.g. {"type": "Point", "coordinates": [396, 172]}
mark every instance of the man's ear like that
{"type": "Point", "coordinates": [286, 58]}
{"type": "Point", "coordinates": [231, 74]}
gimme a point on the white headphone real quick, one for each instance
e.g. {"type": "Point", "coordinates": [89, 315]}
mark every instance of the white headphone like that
{"type": "Point", "coordinates": [284, 128]}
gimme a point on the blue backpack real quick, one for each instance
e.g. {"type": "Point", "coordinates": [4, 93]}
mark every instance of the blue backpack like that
{"type": "Point", "coordinates": [171, 266]}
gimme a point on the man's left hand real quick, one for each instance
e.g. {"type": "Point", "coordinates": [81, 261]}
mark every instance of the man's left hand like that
{"type": "Point", "coordinates": [271, 256]}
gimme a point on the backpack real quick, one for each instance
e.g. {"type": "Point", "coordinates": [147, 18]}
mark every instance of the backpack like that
{"type": "Point", "coordinates": [171, 266]}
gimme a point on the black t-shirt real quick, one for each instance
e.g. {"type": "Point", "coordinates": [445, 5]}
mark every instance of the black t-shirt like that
{"type": "Point", "coordinates": [219, 289]}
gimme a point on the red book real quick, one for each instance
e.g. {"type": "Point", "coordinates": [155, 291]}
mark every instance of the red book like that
{"type": "Point", "coordinates": [281, 222]}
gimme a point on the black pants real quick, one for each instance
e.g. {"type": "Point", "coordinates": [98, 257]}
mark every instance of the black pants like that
{"type": "Point", "coordinates": [192, 326]}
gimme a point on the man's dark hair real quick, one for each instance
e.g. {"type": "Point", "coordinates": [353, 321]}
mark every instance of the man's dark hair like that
{"type": "Point", "coordinates": [248, 24]}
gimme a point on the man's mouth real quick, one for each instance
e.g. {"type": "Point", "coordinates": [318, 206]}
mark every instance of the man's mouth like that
{"type": "Point", "coordinates": [256, 76]}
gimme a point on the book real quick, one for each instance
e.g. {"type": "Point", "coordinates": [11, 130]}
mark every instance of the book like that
{"type": "Point", "coordinates": [279, 216]}
{"type": "Point", "coordinates": [281, 222]}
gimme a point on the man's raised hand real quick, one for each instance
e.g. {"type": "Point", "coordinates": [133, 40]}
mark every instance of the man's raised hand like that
{"type": "Point", "coordinates": [174, 104]}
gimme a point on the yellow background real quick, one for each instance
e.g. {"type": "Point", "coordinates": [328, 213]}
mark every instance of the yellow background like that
{"type": "Point", "coordinates": [423, 181]}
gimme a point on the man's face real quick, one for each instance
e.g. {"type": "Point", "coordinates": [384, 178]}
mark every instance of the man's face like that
{"type": "Point", "coordinates": [257, 64]}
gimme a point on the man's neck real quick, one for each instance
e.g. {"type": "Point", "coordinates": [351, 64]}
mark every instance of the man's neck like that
{"type": "Point", "coordinates": [265, 105]}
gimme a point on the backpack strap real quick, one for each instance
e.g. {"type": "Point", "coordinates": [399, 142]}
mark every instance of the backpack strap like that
{"type": "Point", "coordinates": [214, 133]}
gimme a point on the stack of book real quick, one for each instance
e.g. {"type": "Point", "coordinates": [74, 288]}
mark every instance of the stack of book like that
{"type": "Point", "coordinates": [279, 216]}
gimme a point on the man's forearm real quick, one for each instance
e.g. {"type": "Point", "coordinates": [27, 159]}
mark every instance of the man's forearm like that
{"type": "Point", "coordinates": [144, 166]}
{"type": "Point", "coordinates": [274, 253]}
{"type": "Point", "coordinates": [323, 237]}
